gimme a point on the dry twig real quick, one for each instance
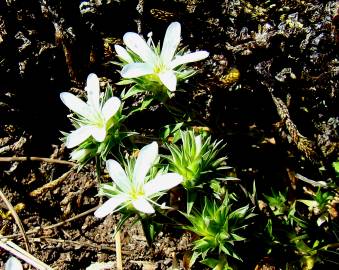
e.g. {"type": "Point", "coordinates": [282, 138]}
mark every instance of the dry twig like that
{"type": "Point", "coordinates": [51, 185]}
{"type": "Point", "coordinates": [49, 160]}
{"type": "Point", "coordinates": [117, 238]}
{"type": "Point", "coordinates": [306, 146]}
{"type": "Point", "coordinates": [16, 218]}
{"type": "Point", "coordinates": [24, 255]}
{"type": "Point", "coordinates": [77, 243]}
{"type": "Point", "coordinates": [37, 229]}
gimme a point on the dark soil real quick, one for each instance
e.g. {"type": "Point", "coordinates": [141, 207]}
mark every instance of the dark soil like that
{"type": "Point", "coordinates": [278, 117]}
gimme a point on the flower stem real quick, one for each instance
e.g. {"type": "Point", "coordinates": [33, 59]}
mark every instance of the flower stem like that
{"type": "Point", "coordinates": [117, 238]}
{"type": "Point", "coordinates": [148, 230]}
{"type": "Point", "coordinates": [98, 168]}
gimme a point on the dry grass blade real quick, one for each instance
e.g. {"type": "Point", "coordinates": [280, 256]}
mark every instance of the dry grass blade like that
{"type": "Point", "coordinates": [24, 255]}
{"type": "Point", "coordinates": [49, 160]}
{"type": "Point", "coordinates": [37, 229]}
{"type": "Point", "coordinates": [306, 146]}
{"type": "Point", "coordinates": [16, 218]}
{"type": "Point", "coordinates": [87, 243]}
{"type": "Point", "coordinates": [117, 238]}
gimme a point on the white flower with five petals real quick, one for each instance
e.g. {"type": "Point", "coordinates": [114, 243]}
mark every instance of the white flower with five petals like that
{"type": "Point", "coordinates": [163, 66]}
{"type": "Point", "coordinates": [137, 192]}
{"type": "Point", "coordinates": [95, 117]}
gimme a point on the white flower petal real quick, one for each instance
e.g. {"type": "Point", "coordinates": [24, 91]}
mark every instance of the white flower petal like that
{"type": "Point", "coordinates": [139, 46]}
{"type": "Point", "coordinates": [93, 90]}
{"type": "Point", "coordinates": [188, 58]}
{"type": "Point", "coordinates": [78, 136]}
{"type": "Point", "coordinates": [118, 175]}
{"type": "Point", "coordinates": [145, 160]}
{"type": "Point", "coordinates": [110, 205]}
{"type": "Point", "coordinates": [169, 79]}
{"type": "Point", "coordinates": [80, 154]}
{"type": "Point", "coordinates": [98, 133]}
{"type": "Point", "coordinates": [171, 42]}
{"type": "Point", "coordinates": [123, 54]}
{"type": "Point", "coordinates": [162, 183]}
{"type": "Point", "coordinates": [110, 108]}
{"type": "Point", "coordinates": [13, 264]}
{"type": "Point", "coordinates": [136, 70]}
{"type": "Point", "coordinates": [142, 205]}
{"type": "Point", "coordinates": [75, 104]}
{"type": "Point", "coordinates": [198, 143]}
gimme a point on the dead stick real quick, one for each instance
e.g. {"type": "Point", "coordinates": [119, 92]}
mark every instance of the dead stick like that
{"type": "Point", "coordinates": [35, 230]}
{"type": "Point", "coordinates": [50, 185]}
{"type": "Point", "coordinates": [77, 243]}
{"type": "Point", "coordinates": [117, 238]}
{"type": "Point", "coordinates": [71, 219]}
{"type": "Point", "coordinates": [24, 255]}
{"type": "Point", "coordinates": [16, 218]}
{"type": "Point", "coordinates": [49, 160]}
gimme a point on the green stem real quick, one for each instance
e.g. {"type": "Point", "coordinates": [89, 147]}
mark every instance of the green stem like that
{"type": "Point", "coordinates": [223, 264]}
{"type": "Point", "coordinates": [150, 228]}
{"type": "Point", "coordinates": [98, 168]}
{"type": "Point", "coordinates": [146, 230]}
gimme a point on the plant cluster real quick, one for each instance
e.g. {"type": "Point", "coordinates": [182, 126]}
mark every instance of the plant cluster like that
{"type": "Point", "coordinates": [150, 185]}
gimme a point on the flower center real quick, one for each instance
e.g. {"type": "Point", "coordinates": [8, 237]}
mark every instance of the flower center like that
{"type": "Point", "coordinates": [135, 193]}
{"type": "Point", "coordinates": [100, 123]}
{"type": "Point", "coordinates": [159, 67]}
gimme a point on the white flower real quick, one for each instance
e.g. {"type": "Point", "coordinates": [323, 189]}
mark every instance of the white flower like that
{"type": "Point", "coordinates": [137, 191]}
{"type": "Point", "coordinates": [80, 154]}
{"type": "Point", "coordinates": [163, 65]}
{"type": "Point", "coordinates": [94, 116]}
{"type": "Point", "coordinates": [13, 264]}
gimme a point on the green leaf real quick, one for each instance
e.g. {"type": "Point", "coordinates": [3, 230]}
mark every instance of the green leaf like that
{"type": "Point", "coordinates": [125, 82]}
{"type": "Point", "coordinates": [237, 237]}
{"type": "Point", "coordinates": [145, 103]}
{"type": "Point", "coordinates": [194, 257]}
{"type": "Point", "coordinates": [170, 130]}
{"type": "Point", "coordinates": [309, 203]}
{"type": "Point", "coordinates": [131, 92]}
{"type": "Point", "coordinates": [336, 166]}
{"type": "Point", "coordinates": [210, 262]}
{"type": "Point", "coordinates": [150, 228]}
{"type": "Point", "coordinates": [122, 222]}
{"type": "Point", "coordinates": [191, 197]}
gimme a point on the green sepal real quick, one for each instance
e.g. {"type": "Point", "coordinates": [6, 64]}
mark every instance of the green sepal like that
{"type": "Point", "coordinates": [121, 222]}
{"type": "Point", "coordinates": [151, 229]}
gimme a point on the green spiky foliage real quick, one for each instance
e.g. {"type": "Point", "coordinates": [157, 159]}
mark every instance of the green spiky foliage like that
{"type": "Point", "coordinates": [195, 158]}
{"type": "Point", "coordinates": [219, 228]}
